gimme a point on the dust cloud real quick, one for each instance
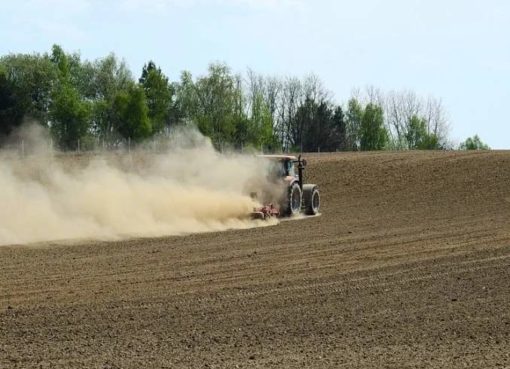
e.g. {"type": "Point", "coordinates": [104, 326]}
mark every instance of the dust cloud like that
{"type": "Point", "coordinates": [187, 188]}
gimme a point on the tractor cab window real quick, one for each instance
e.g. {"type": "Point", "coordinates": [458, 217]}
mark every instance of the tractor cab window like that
{"type": "Point", "coordinates": [289, 168]}
{"type": "Point", "coordinates": [277, 170]}
{"type": "Point", "coordinates": [281, 168]}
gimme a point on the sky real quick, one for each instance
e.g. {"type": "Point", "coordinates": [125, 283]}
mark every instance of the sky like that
{"type": "Point", "coordinates": [457, 51]}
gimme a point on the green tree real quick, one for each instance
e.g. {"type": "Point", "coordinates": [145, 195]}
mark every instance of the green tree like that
{"type": "Point", "coordinates": [264, 125]}
{"type": "Point", "coordinates": [258, 129]}
{"type": "Point", "coordinates": [131, 114]}
{"type": "Point", "coordinates": [185, 107]}
{"type": "Point", "coordinates": [430, 142]}
{"type": "Point", "coordinates": [79, 74]}
{"type": "Point", "coordinates": [353, 118]}
{"type": "Point", "coordinates": [30, 79]}
{"type": "Point", "coordinates": [323, 126]}
{"type": "Point", "coordinates": [216, 104]}
{"type": "Point", "coordinates": [61, 61]}
{"type": "Point", "coordinates": [416, 132]}
{"type": "Point", "coordinates": [314, 120]}
{"type": "Point", "coordinates": [417, 136]}
{"type": "Point", "coordinates": [301, 125]}
{"type": "Point", "coordinates": [474, 143]}
{"type": "Point", "coordinates": [70, 117]}
{"type": "Point", "coordinates": [68, 111]}
{"type": "Point", "coordinates": [109, 78]}
{"type": "Point", "coordinates": [159, 95]}
{"type": "Point", "coordinates": [11, 113]}
{"type": "Point", "coordinates": [373, 134]}
{"type": "Point", "coordinates": [340, 130]}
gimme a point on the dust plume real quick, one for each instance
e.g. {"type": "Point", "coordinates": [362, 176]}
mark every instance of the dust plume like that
{"type": "Point", "coordinates": [186, 189]}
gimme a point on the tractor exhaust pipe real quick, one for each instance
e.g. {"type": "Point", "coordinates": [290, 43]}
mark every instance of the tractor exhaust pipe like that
{"type": "Point", "coordinates": [301, 167]}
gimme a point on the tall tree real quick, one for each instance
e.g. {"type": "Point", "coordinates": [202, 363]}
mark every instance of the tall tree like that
{"type": "Point", "coordinates": [69, 113]}
{"type": "Point", "coordinates": [416, 132]}
{"type": "Point", "coordinates": [418, 137]}
{"type": "Point", "coordinates": [272, 92]}
{"type": "Point", "coordinates": [340, 131]}
{"type": "Point", "coordinates": [437, 124]}
{"type": "Point", "coordinates": [289, 101]}
{"type": "Point", "coordinates": [261, 123]}
{"type": "Point", "coordinates": [373, 134]}
{"type": "Point", "coordinates": [70, 117]}
{"type": "Point", "coordinates": [110, 78]}
{"type": "Point", "coordinates": [11, 111]}
{"type": "Point", "coordinates": [324, 126]}
{"type": "Point", "coordinates": [306, 128]}
{"type": "Point", "coordinates": [403, 109]}
{"type": "Point", "coordinates": [131, 114]}
{"type": "Point", "coordinates": [353, 118]}
{"type": "Point", "coordinates": [32, 77]}
{"type": "Point", "coordinates": [217, 109]}
{"type": "Point", "coordinates": [159, 95]}
{"type": "Point", "coordinates": [185, 107]}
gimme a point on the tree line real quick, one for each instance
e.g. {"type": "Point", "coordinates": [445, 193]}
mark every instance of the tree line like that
{"type": "Point", "coordinates": [89, 103]}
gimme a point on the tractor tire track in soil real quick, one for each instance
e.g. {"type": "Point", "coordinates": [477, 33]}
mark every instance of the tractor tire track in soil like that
{"type": "Point", "coordinates": [408, 266]}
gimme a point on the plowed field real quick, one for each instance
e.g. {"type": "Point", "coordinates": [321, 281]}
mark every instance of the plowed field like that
{"type": "Point", "coordinates": [407, 267]}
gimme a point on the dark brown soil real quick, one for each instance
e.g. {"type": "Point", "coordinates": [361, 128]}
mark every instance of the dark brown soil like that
{"type": "Point", "coordinates": [408, 267]}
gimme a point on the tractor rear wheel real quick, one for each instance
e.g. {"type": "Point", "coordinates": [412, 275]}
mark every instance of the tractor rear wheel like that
{"type": "Point", "coordinates": [294, 200]}
{"type": "Point", "coordinates": [311, 199]}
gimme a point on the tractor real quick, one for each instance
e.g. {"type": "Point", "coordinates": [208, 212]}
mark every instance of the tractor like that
{"type": "Point", "coordinates": [294, 196]}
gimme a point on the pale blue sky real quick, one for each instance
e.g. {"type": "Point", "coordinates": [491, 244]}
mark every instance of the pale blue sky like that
{"type": "Point", "coordinates": [458, 51]}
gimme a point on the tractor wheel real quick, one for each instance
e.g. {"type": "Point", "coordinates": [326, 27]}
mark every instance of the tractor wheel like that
{"type": "Point", "coordinates": [311, 199]}
{"type": "Point", "coordinates": [293, 201]}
